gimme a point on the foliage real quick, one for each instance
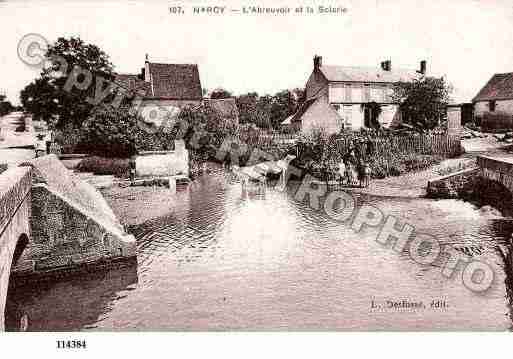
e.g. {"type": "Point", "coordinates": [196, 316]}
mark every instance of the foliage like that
{"type": "Point", "coordinates": [5, 106]}
{"type": "Point", "coordinates": [387, 155]}
{"type": "Point", "coordinates": [46, 97]}
{"type": "Point", "coordinates": [422, 101]}
{"type": "Point", "coordinates": [118, 167]}
{"type": "Point", "coordinates": [220, 93]}
{"type": "Point", "coordinates": [203, 129]}
{"type": "Point", "coordinates": [269, 111]}
{"type": "Point", "coordinates": [68, 138]}
{"type": "Point", "coordinates": [111, 132]}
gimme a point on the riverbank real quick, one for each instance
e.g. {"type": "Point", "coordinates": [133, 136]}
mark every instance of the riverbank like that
{"type": "Point", "coordinates": [413, 184]}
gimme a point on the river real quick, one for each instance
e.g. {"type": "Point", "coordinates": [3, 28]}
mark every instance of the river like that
{"type": "Point", "coordinates": [226, 261]}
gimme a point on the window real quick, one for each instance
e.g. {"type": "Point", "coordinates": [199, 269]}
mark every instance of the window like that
{"type": "Point", "coordinates": [491, 105]}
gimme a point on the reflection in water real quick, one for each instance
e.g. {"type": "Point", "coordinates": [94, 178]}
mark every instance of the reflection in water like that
{"type": "Point", "coordinates": [75, 303]}
{"type": "Point", "coordinates": [220, 260]}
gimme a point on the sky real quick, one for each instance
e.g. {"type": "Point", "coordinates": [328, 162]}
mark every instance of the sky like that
{"type": "Point", "coordinates": [466, 41]}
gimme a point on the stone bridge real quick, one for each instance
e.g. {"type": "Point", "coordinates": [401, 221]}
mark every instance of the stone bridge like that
{"type": "Point", "coordinates": [51, 223]}
{"type": "Point", "coordinates": [498, 169]}
{"type": "Point", "coordinates": [15, 212]}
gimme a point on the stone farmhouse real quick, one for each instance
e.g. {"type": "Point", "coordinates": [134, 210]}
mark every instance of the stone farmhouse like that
{"type": "Point", "coordinates": [336, 96]}
{"type": "Point", "coordinates": [168, 88]}
{"type": "Point", "coordinates": [496, 96]}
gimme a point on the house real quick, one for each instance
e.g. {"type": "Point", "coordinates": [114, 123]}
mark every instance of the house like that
{"type": "Point", "coordinates": [496, 96]}
{"type": "Point", "coordinates": [166, 88]}
{"type": "Point", "coordinates": [359, 96]}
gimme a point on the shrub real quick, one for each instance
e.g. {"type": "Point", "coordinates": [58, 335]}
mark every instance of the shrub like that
{"type": "Point", "coordinates": [68, 138]}
{"type": "Point", "coordinates": [118, 167]}
{"type": "Point", "coordinates": [110, 132]}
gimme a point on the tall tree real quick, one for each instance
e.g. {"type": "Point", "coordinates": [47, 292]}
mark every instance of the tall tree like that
{"type": "Point", "coordinates": [423, 102]}
{"type": "Point", "coordinates": [53, 98]}
{"type": "Point", "coordinates": [246, 104]}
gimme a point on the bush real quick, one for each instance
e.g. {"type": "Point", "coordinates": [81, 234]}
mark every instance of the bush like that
{"type": "Point", "coordinates": [68, 138]}
{"type": "Point", "coordinates": [118, 167]}
{"type": "Point", "coordinates": [110, 132]}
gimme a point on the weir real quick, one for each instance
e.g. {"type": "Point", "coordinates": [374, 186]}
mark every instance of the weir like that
{"type": "Point", "coordinates": [52, 222]}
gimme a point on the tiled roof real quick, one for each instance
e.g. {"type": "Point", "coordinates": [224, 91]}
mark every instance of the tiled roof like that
{"type": "Point", "coordinates": [133, 83]}
{"type": "Point", "coordinates": [500, 87]}
{"type": "Point", "coordinates": [175, 81]}
{"type": "Point", "coordinates": [305, 106]}
{"type": "Point", "coordinates": [299, 113]}
{"type": "Point", "coordinates": [226, 107]}
{"type": "Point", "coordinates": [367, 74]}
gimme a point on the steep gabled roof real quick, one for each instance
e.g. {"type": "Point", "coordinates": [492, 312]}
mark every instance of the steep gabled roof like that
{"type": "Point", "coordinates": [499, 87]}
{"type": "Point", "coordinates": [367, 74]}
{"type": "Point", "coordinates": [175, 81]}
{"type": "Point", "coordinates": [133, 83]}
{"type": "Point", "coordinates": [300, 112]}
{"type": "Point", "coordinates": [326, 107]}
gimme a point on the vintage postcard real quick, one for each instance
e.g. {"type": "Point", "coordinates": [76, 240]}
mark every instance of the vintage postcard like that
{"type": "Point", "coordinates": [256, 166]}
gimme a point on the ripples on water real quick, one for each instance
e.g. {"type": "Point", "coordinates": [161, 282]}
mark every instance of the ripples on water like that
{"type": "Point", "coordinates": [224, 259]}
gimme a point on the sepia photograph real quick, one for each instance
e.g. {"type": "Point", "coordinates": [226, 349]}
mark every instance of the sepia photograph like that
{"type": "Point", "coordinates": [284, 166]}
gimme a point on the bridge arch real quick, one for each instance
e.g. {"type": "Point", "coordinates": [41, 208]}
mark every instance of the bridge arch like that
{"type": "Point", "coordinates": [15, 229]}
{"type": "Point", "coordinates": [15, 318]}
{"type": "Point", "coordinates": [495, 181]}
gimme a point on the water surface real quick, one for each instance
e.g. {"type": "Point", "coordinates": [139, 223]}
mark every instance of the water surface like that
{"type": "Point", "coordinates": [227, 260]}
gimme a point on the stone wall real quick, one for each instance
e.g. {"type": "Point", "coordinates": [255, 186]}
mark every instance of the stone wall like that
{"type": "Point", "coordinates": [163, 163]}
{"type": "Point", "coordinates": [65, 236]}
{"type": "Point", "coordinates": [454, 185]}
{"type": "Point", "coordinates": [71, 222]}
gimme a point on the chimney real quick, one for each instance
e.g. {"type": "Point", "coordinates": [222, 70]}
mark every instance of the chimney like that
{"type": "Point", "coordinates": [141, 76]}
{"type": "Point", "coordinates": [423, 67]}
{"type": "Point", "coordinates": [388, 65]}
{"type": "Point", "coordinates": [147, 69]}
{"type": "Point", "coordinates": [317, 62]}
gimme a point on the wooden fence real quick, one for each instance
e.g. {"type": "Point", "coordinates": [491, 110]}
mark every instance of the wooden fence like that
{"type": "Point", "coordinates": [439, 144]}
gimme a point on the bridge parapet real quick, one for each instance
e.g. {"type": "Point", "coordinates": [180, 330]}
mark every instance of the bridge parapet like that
{"type": "Point", "coordinates": [499, 169]}
{"type": "Point", "coordinates": [15, 184]}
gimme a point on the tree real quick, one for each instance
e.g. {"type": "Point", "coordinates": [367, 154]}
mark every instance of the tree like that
{"type": "Point", "coordinates": [48, 97]}
{"type": "Point", "coordinates": [111, 132]}
{"type": "Point", "coordinates": [220, 93]}
{"type": "Point", "coordinates": [269, 111]}
{"type": "Point", "coordinates": [5, 106]}
{"type": "Point", "coordinates": [254, 109]}
{"type": "Point", "coordinates": [246, 104]}
{"type": "Point", "coordinates": [423, 102]}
